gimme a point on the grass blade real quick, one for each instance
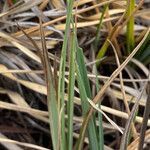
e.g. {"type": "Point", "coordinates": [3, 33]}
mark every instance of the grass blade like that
{"type": "Point", "coordinates": [125, 138]}
{"type": "Point", "coordinates": [145, 120]}
{"type": "Point", "coordinates": [85, 92]}
{"type": "Point", "coordinates": [61, 82]}
{"type": "Point", "coordinates": [130, 26]}
{"type": "Point", "coordinates": [100, 118]}
{"type": "Point", "coordinates": [83, 71]}
{"type": "Point", "coordinates": [99, 27]}
{"type": "Point", "coordinates": [70, 103]}
{"type": "Point", "coordinates": [51, 94]}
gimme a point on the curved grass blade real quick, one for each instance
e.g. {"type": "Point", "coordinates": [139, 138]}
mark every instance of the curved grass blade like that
{"type": "Point", "coordinates": [145, 119]}
{"type": "Point", "coordinates": [125, 138]}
